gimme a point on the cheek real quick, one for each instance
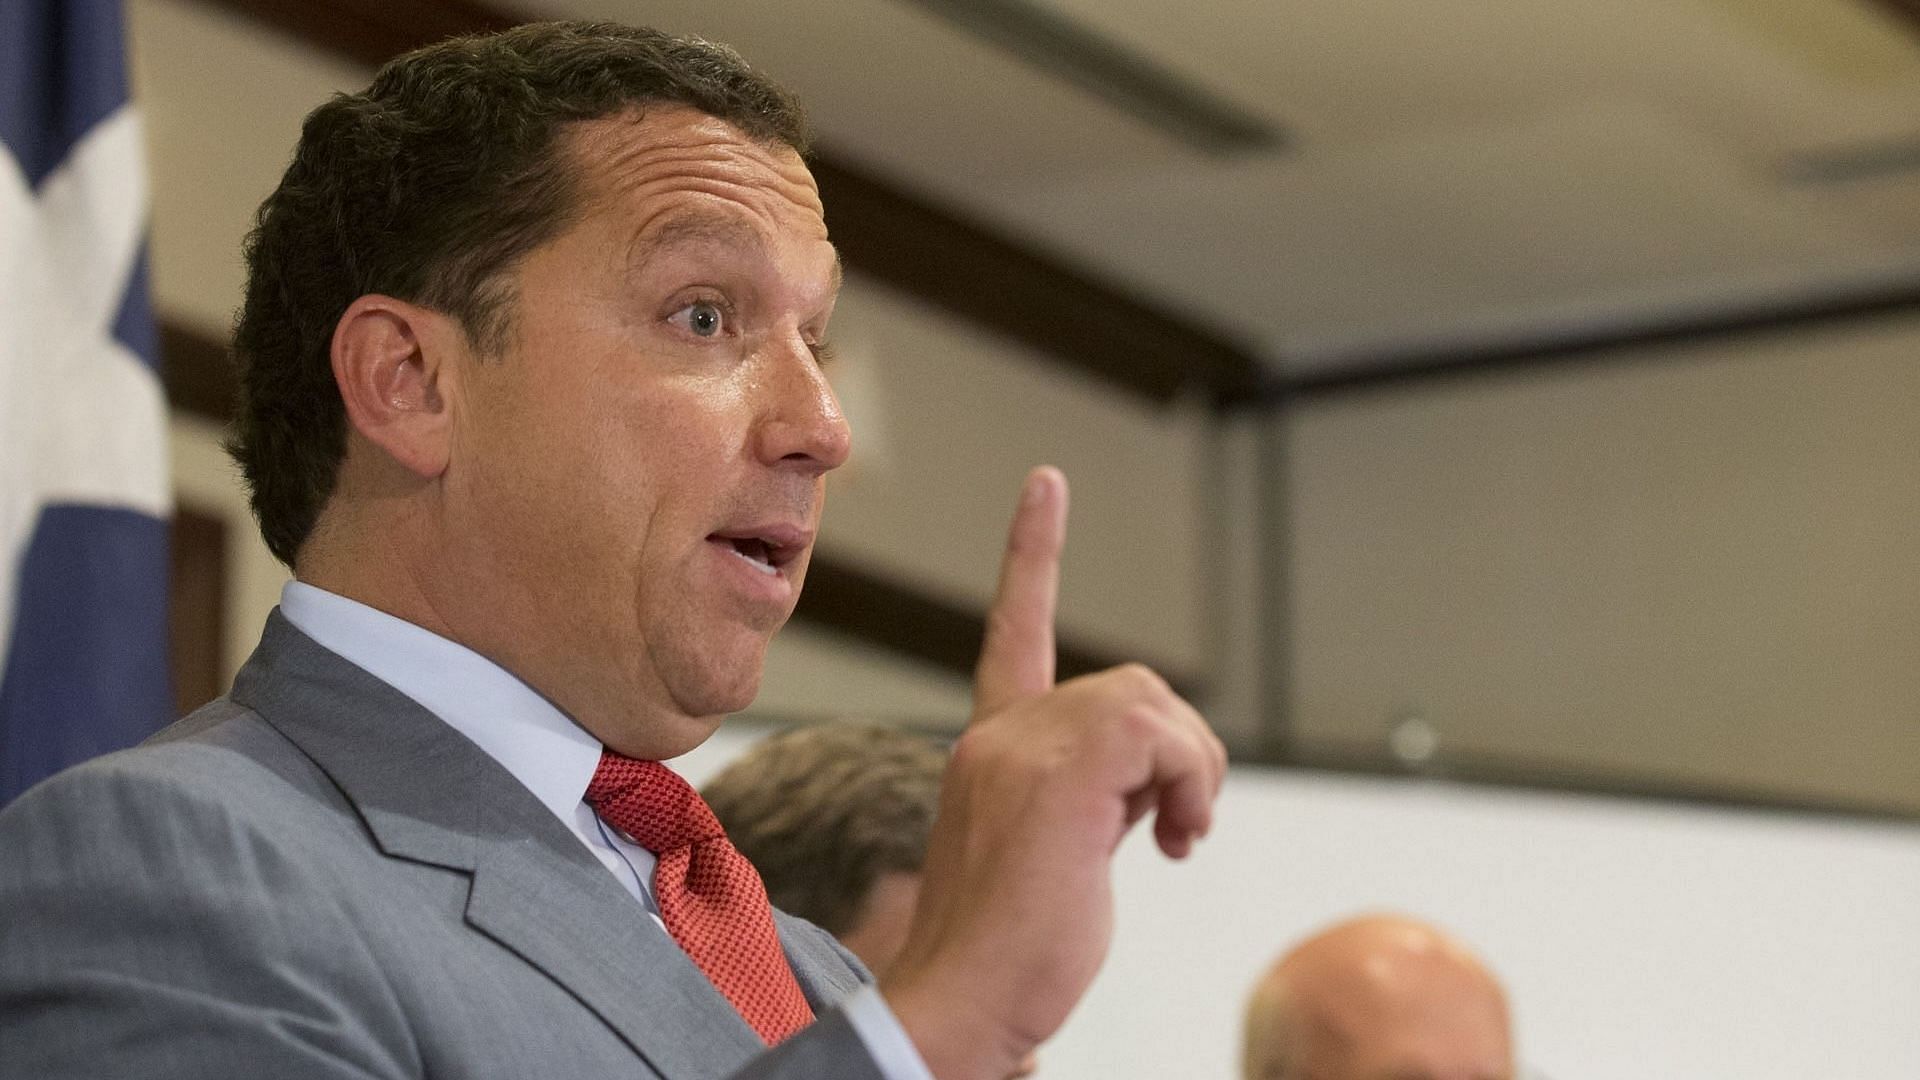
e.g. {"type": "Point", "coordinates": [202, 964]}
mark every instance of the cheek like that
{"type": "Point", "coordinates": [564, 500]}
{"type": "Point", "coordinates": [677, 461]}
{"type": "Point", "coordinates": [622, 481]}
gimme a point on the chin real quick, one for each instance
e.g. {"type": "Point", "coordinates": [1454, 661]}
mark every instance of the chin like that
{"type": "Point", "coordinates": [713, 703]}
{"type": "Point", "coordinates": [685, 736]}
{"type": "Point", "coordinates": [708, 692]}
{"type": "Point", "coordinates": [662, 735]}
{"type": "Point", "coordinates": [696, 681]}
{"type": "Point", "coordinates": [711, 696]}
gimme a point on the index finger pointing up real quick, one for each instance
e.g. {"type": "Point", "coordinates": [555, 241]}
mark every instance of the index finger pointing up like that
{"type": "Point", "coordinates": [1017, 657]}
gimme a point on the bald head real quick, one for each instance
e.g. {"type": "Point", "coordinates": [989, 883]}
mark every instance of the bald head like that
{"type": "Point", "coordinates": [1378, 998]}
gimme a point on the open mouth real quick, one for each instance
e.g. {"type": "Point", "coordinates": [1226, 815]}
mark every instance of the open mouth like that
{"type": "Point", "coordinates": [768, 550]}
{"type": "Point", "coordinates": [756, 552]}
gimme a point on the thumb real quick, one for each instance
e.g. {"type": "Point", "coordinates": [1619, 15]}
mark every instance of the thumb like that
{"type": "Point", "coordinates": [1017, 656]}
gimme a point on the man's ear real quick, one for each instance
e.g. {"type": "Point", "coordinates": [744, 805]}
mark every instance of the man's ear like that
{"type": "Point", "coordinates": [395, 376]}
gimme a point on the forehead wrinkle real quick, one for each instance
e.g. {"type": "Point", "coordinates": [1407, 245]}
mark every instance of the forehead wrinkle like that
{"type": "Point", "coordinates": [714, 159]}
{"type": "Point", "coordinates": [720, 153]}
{"type": "Point", "coordinates": [629, 156]}
{"type": "Point", "coordinates": [746, 196]}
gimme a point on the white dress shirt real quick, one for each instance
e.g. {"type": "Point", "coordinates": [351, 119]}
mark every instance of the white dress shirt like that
{"type": "Point", "coordinates": [545, 750]}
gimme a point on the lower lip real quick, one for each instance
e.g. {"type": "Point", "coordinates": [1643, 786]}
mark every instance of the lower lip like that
{"type": "Point", "coordinates": [772, 588]}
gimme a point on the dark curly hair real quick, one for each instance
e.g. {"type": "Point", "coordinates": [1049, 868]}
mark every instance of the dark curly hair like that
{"type": "Point", "coordinates": [430, 186]}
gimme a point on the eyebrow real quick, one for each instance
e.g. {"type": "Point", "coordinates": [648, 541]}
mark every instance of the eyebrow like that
{"type": "Point", "coordinates": [696, 228]}
{"type": "Point", "coordinates": [691, 230]}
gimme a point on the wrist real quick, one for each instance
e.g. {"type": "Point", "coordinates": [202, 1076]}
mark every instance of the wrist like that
{"type": "Point", "coordinates": [956, 1039]}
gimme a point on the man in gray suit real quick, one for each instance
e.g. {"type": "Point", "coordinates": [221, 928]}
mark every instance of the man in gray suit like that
{"type": "Point", "coordinates": [533, 407]}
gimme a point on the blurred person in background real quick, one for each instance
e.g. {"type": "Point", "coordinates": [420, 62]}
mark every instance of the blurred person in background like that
{"type": "Point", "coordinates": [1378, 998]}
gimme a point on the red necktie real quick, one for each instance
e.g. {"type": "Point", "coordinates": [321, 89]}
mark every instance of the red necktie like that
{"type": "Point", "coordinates": [709, 895]}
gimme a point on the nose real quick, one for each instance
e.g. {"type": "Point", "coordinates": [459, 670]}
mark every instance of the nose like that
{"type": "Point", "coordinates": [801, 425]}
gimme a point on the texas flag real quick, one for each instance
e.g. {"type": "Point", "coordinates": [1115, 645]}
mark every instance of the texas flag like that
{"type": "Point", "coordinates": [84, 499]}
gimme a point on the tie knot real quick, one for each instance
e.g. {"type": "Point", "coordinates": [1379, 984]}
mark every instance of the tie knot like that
{"type": "Point", "coordinates": [650, 803]}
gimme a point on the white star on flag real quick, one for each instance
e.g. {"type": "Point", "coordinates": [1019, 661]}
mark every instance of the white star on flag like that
{"type": "Point", "coordinates": [82, 419]}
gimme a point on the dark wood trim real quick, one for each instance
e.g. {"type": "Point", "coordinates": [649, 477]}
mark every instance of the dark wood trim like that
{"type": "Point", "coordinates": [842, 597]}
{"type": "Point", "coordinates": [1273, 510]}
{"type": "Point", "coordinates": [372, 31]}
{"type": "Point", "coordinates": [1063, 312]}
{"type": "Point", "coordinates": [197, 607]}
{"type": "Point", "coordinates": [1486, 770]}
{"type": "Point", "coordinates": [1907, 11]}
{"type": "Point", "coordinates": [838, 596]}
{"type": "Point", "coordinates": [870, 608]}
{"type": "Point", "coordinates": [1396, 370]}
{"type": "Point", "coordinates": [936, 254]}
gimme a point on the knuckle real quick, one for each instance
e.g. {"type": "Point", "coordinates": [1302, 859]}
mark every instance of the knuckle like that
{"type": "Point", "coordinates": [969, 750]}
{"type": "Point", "coordinates": [1146, 681]}
{"type": "Point", "coordinates": [1002, 754]}
{"type": "Point", "coordinates": [1137, 723]}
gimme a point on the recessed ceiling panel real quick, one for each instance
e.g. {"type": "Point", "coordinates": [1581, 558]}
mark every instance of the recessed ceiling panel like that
{"type": "Point", "coordinates": [1419, 235]}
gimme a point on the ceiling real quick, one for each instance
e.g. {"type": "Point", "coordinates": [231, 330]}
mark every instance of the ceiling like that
{"type": "Point", "coordinates": [1454, 173]}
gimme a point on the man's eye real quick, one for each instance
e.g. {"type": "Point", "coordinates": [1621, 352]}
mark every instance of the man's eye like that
{"type": "Point", "coordinates": [702, 318]}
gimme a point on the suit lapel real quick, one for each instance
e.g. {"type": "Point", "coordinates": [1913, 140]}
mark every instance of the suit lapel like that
{"type": "Point", "coordinates": [428, 794]}
{"type": "Point", "coordinates": [573, 921]}
{"type": "Point", "coordinates": [825, 973]}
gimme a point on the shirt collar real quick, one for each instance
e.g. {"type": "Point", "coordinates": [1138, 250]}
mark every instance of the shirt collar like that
{"type": "Point", "coordinates": [540, 745]}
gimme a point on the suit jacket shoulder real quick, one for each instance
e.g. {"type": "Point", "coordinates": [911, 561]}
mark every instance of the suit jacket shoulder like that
{"type": "Point", "coordinates": [157, 924]}
{"type": "Point", "coordinates": [317, 878]}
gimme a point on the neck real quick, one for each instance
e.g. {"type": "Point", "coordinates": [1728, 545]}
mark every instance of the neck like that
{"type": "Point", "coordinates": [375, 564]}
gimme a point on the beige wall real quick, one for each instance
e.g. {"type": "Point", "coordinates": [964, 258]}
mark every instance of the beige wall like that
{"type": "Point", "coordinates": [223, 103]}
{"type": "Point", "coordinates": [948, 419]}
{"type": "Point", "coordinates": [1702, 564]}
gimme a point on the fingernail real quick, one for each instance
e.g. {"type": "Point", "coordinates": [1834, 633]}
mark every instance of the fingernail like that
{"type": "Point", "coordinates": [1036, 489]}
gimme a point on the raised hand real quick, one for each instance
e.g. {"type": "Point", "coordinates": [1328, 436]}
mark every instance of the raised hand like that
{"type": "Point", "coordinates": [1016, 908]}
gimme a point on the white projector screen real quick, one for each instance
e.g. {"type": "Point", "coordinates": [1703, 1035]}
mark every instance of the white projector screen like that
{"type": "Point", "coordinates": [1639, 941]}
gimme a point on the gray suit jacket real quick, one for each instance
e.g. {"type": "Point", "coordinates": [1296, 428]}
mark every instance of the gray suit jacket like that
{"type": "Point", "coordinates": [315, 877]}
